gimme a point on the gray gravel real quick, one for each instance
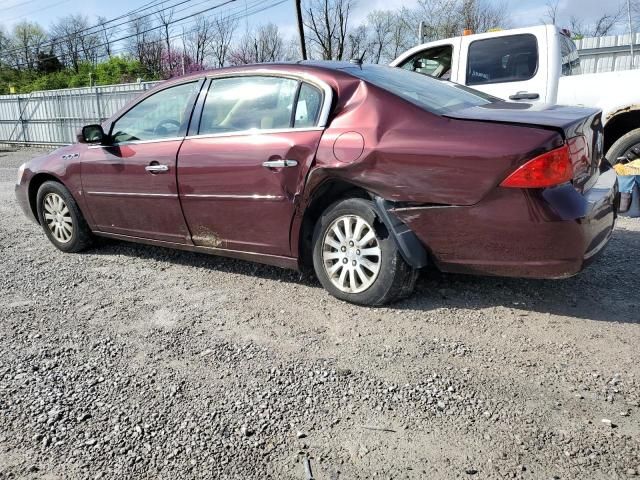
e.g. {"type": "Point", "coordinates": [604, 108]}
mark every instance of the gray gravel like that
{"type": "Point", "coordinates": [131, 361]}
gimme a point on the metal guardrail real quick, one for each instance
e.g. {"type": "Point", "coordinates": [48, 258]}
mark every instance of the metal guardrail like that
{"type": "Point", "coordinates": [53, 117]}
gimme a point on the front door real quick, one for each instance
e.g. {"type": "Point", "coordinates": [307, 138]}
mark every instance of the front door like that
{"type": "Point", "coordinates": [240, 174]}
{"type": "Point", "coordinates": [130, 184]}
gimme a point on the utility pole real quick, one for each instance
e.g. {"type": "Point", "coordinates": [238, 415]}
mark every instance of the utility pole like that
{"type": "Point", "coordinates": [303, 46]}
{"type": "Point", "coordinates": [631, 35]}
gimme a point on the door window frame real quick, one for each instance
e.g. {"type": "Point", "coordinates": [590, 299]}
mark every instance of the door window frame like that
{"type": "Point", "coordinates": [300, 77]}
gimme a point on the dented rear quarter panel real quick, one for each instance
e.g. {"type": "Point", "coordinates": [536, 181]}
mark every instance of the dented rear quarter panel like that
{"type": "Point", "coordinates": [411, 155]}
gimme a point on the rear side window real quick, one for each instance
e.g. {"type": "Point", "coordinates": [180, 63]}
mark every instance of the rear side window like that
{"type": "Point", "coordinates": [512, 58]}
{"type": "Point", "coordinates": [570, 58]}
{"type": "Point", "coordinates": [436, 96]}
{"type": "Point", "coordinates": [308, 106]}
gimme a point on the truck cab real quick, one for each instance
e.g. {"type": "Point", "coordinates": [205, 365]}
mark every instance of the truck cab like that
{"type": "Point", "coordinates": [536, 65]}
{"type": "Point", "coordinates": [519, 65]}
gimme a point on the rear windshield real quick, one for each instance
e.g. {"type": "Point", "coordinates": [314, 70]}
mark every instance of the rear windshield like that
{"type": "Point", "coordinates": [436, 96]}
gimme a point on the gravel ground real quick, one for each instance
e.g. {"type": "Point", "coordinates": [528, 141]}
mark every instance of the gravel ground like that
{"type": "Point", "coordinates": [131, 361]}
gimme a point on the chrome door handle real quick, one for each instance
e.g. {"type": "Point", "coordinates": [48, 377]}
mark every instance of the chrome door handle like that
{"type": "Point", "coordinates": [156, 168]}
{"type": "Point", "coordinates": [279, 163]}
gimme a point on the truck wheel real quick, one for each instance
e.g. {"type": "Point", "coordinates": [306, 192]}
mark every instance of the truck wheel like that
{"type": "Point", "coordinates": [355, 259]}
{"type": "Point", "coordinates": [626, 147]}
{"type": "Point", "coordinates": [61, 218]}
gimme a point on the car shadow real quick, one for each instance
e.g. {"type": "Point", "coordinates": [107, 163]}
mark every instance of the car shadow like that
{"type": "Point", "coordinates": [608, 290]}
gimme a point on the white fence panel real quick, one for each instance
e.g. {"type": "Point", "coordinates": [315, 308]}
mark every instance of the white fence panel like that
{"type": "Point", "coordinates": [53, 117]}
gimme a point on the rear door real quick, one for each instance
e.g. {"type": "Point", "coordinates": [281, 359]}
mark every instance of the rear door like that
{"type": "Point", "coordinates": [506, 66]}
{"type": "Point", "coordinates": [242, 170]}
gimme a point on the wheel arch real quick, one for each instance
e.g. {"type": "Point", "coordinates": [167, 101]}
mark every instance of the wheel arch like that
{"type": "Point", "coordinates": [325, 194]}
{"type": "Point", "coordinates": [34, 185]}
{"type": "Point", "coordinates": [333, 190]}
{"type": "Point", "coordinates": [620, 123]}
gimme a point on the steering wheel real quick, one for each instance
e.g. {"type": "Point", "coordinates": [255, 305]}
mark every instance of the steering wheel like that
{"type": "Point", "coordinates": [161, 127]}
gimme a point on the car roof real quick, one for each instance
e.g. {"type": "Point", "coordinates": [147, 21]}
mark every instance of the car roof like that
{"type": "Point", "coordinates": [304, 65]}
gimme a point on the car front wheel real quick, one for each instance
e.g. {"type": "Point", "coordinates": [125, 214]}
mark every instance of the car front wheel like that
{"type": "Point", "coordinates": [61, 218]}
{"type": "Point", "coordinates": [356, 259]}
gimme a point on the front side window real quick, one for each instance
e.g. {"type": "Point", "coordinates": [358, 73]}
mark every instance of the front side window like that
{"type": "Point", "coordinates": [435, 62]}
{"type": "Point", "coordinates": [433, 95]}
{"type": "Point", "coordinates": [248, 103]}
{"type": "Point", "coordinates": [512, 58]}
{"type": "Point", "coordinates": [162, 115]}
{"type": "Point", "coordinates": [570, 58]}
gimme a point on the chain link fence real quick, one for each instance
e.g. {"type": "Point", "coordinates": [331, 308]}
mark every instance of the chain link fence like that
{"type": "Point", "coordinates": [53, 117]}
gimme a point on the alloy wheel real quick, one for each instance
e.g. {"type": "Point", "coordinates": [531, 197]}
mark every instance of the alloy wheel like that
{"type": "Point", "coordinates": [351, 254]}
{"type": "Point", "coordinates": [58, 217]}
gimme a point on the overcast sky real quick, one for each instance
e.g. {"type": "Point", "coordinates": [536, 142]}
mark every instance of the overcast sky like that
{"type": "Point", "coordinates": [523, 12]}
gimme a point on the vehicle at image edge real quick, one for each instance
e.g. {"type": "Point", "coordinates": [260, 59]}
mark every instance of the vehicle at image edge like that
{"type": "Point", "coordinates": [365, 172]}
{"type": "Point", "coordinates": [537, 65]}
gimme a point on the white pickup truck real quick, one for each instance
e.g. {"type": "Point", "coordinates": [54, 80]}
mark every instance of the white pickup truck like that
{"type": "Point", "coordinates": [536, 64]}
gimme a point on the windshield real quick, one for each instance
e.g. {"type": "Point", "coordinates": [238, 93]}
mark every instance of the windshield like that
{"type": "Point", "coordinates": [433, 95]}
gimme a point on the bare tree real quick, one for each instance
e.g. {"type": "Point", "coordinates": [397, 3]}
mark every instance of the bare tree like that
{"type": "Point", "coordinates": [73, 43]}
{"type": "Point", "coordinates": [327, 23]}
{"type": "Point", "coordinates": [358, 45]}
{"type": "Point", "coordinates": [198, 40]}
{"type": "Point", "coordinates": [448, 18]}
{"type": "Point", "coordinates": [481, 15]}
{"type": "Point", "coordinates": [402, 34]}
{"type": "Point", "coordinates": [223, 30]}
{"type": "Point", "coordinates": [441, 18]}
{"type": "Point", "coordinates": [264, 45]}
{"type": "Point", "coordinates": [380, 25]}
{"type": "Point", "coordinates": [107, 35]}
{"type": "Point", "coordinates": [145, 44]}
{"type": "Point", "coordinates": [551, 15]}
{"type": "Point", "coordinates": [603, 26]}
{"type": "Point", "coordinates": [606, 23]}
{"type": "Point", "coordinates": [5, 45]}
{"type": "Point", "coordinates": [27, 39]}
{"type": "Point", "coordinates": [165, 19]}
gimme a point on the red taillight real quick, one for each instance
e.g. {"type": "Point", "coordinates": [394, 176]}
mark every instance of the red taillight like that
{"type": "Point", "coordinates": [549, 169]}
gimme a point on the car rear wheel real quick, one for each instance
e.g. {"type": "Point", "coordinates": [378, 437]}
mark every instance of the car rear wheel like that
{"type": "Point", "coordinates": [626, 148]}
{"type": "Point", "coordinates": [61, 218]}
{"type": "Point", "coordinates": [355, 258]}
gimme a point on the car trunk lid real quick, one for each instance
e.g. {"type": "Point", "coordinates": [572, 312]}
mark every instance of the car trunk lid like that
{"type": "Point", "coordinates": [580, 127]}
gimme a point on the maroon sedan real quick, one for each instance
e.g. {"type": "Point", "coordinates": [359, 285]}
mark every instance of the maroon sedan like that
{"type": "Point", "coordinates": [367, 173]}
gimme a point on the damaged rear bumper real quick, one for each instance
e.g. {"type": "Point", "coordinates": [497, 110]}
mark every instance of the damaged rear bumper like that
{"type": "Point", "coordinates": [546, 233]}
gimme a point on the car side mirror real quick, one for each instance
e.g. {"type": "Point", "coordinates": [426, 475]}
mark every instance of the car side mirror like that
{"type": "Point", "coordinates": [91, 134]}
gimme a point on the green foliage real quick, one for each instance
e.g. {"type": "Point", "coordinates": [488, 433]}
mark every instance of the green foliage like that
{"type": "Point", "coordinates": [112, 71]}
{"type": "Point", "coordinates": [118, 70]}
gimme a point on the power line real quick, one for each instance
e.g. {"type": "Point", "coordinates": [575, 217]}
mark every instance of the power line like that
{"type": "Point", "coordinates": [238, 16]}
{"type": "Point", "coordinates": [60, 40]}
{"type": "Point", "coordinates": [21, 4]}
{"type": "Point", "coordinates": [37, 11]}
{"type": "Point", "coordinates": [234, 17]}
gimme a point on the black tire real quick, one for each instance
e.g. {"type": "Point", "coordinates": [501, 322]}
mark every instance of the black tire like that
{"type": "Point", "coordinates": [80, 236]}
{"type": "Point", "coordinates": [623, 145]}
{"type": "Point", "coordinates": [395, 278]}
